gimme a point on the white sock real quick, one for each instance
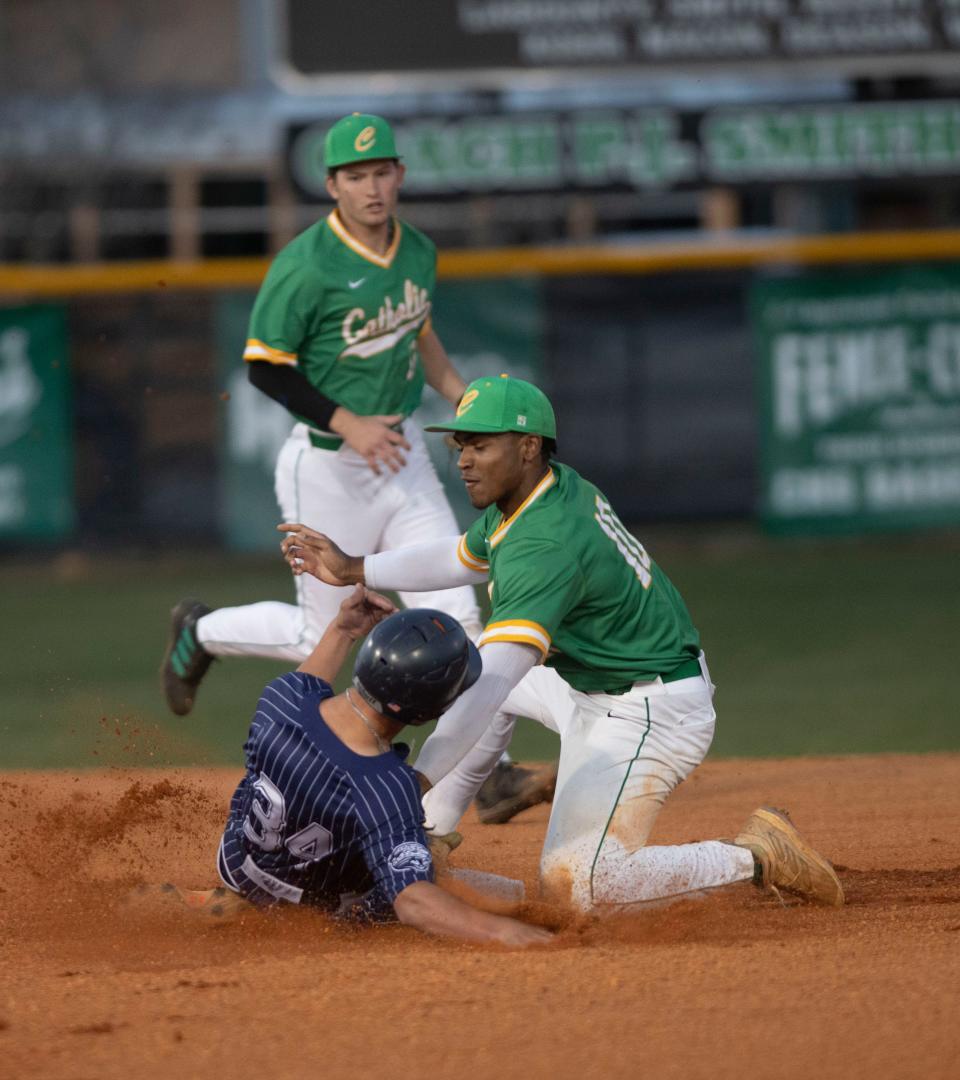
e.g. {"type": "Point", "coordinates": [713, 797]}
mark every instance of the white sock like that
{"type": "Point", "coordinates": [669, 872]}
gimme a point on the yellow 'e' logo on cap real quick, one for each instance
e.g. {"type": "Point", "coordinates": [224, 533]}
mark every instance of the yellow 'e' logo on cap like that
{"type": "Point", "coordinates": [365, 140]}
{"type": "Point", "coordinates": [466, 401]}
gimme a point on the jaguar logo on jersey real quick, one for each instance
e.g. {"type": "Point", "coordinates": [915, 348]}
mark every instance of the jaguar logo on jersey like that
{"type": "Point", "coordinates": [409, 856]}
{"type": "Point", "coordinates": [367, 337]}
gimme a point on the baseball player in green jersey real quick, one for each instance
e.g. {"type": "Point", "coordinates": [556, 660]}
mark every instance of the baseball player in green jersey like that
{"type": "Point", "coordinates": [341, 336]}
{"type": "Point", "coordinates": [588, 636]}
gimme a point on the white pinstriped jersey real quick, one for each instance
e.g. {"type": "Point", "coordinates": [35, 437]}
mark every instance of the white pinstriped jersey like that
{"type": "Point", "coordinates": [313, 822]}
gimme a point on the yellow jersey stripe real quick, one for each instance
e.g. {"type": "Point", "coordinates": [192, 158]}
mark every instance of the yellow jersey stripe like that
{"type": "Point", "coordinates": [516, 637]}
{"type": "Point", "coordinates": [260, 350]}
{"type": "Point", "coordinates": [384, 261]}
{"type": "Point", "coordinates": [518, 626]}
{"type": "Point", "coordinates": [501, 530]}
{"type": "Point", "coordinates": [469, 560]}
{"type": "Point", "coordinates": [426, 328]}
{"type": "Point", "coordinates": [528, 623]}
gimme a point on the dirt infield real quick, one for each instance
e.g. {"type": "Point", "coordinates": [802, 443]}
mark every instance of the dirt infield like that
{"type": "Point", "coordinates": [95, 986]}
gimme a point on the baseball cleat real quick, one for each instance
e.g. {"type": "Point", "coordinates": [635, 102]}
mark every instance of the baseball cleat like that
{"type": "Point", "coordinates": [186, 661]}
{"type": "Point", "coordinates": [511, 788]}
{"type": "Point", "coordinates": [786, 861]}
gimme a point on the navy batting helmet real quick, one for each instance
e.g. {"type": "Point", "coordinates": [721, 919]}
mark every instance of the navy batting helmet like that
{"type": "Point", "coordinates": [415, 664]}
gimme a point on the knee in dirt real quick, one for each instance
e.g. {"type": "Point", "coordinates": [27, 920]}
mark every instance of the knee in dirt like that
{"type": "Point", "coordinates": [565, 884]}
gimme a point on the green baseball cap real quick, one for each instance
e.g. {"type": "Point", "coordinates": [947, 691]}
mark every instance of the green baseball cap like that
{"type": "Point", "coordinates": [496, 405]}
{"type": "Point", "coordinates": [358, 137]}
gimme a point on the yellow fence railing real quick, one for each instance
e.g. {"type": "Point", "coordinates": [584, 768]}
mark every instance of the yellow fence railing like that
{"type": "Point", "coordinates": [714, 252]}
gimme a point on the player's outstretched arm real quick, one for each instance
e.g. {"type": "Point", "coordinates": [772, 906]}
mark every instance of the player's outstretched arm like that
{"type": "Point", "coordinates": [310, 552]}
{"type": "Point", "coordinates": [418, 568]}
{"type": "Point", "coordinates": [463, 725]}
{"type": "Point", "coordinates": [430, 909]}
{"type": "Point", "coordinates": [359, 614]}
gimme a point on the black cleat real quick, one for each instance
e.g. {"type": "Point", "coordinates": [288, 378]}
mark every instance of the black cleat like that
{"type": "Point", "coordinates": [186, 661]}
{"type": "Point", "coordinates": [511, 788]}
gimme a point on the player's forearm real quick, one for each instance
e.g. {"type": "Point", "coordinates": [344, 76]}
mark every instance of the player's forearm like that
{"type": "Point", "coordinates": [421, 568]}
{"type": "Point", "coordinates": [460, 728]}
{"type": "Point", "coordinates": [330, 653]}
{"type": "Point", "coordinates": [438, 369]}
{"type": "Point", "coordinates": [433, 911]}
{"type": "Point", "coordinates": [289, 387]}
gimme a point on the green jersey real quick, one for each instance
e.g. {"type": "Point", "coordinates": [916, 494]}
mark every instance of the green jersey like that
{"type": "Point", "coordinates": [347, 317]}
{"type": "Point", "coordinates": [567, 578]}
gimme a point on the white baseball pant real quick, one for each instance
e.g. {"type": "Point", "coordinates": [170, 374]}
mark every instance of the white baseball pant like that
{"type": "Point", "coordinates": [621, 756]}
{"type": "Point", "coordinates": [336, 492]}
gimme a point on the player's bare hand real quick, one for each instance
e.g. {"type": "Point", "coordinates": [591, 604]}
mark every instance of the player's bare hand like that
{"type": "Point", "coordinates": [373, 438]}
{"type": "Point", "coordinates": [361, 611]}
{"type": "Point", "coordinates": [518, 935]}
{"type": "Point", "coordinates": [310, 552]}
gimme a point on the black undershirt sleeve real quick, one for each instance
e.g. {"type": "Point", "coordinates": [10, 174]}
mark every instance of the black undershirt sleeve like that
{"type": "Point", "coordinates": [290, 388]}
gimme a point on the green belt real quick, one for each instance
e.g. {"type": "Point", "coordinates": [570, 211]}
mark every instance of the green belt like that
{"type": "Point", "coordinates": [325, 442]}
{"type": "Point", "coordinates": [689, 669]}
{"type": "Point", "coordinates": [334, 442]}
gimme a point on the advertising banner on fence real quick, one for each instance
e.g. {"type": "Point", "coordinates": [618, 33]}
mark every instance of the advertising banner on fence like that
{"type": "Point", "coordinates": [36, 450]}
{"type": "Point", "coordinates": [486, 326]}
{"type": "Point", "coordinates": [657, 148]}
{"type": "Point", "coordinates": [860, 401]}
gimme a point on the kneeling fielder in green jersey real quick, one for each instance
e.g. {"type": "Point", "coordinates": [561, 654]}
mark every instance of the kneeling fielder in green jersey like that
{"type": "Point", "coordinates": [588, 636]}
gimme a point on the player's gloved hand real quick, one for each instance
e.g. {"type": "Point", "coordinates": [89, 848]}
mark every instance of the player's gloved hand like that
{"type": "Point", "coordinates": [311, 552]}
{"type": "Point", "coordinates": [372, 437]}
{"type": "Point", "coordinates": [361, 611]}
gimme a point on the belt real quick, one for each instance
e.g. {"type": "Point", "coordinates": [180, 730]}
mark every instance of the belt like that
{"type": "Point", "coordinates": [325, 442]}
{"type": "Point", "coordinates": [689, 669]}
{"type": "Point", "coordinates": [334, 442]}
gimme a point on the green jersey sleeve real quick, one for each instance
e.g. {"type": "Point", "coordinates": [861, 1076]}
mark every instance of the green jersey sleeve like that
{"type": "Point", "coordinates": [535, 585]}
{"type": "Point", "coordinates": [283, 312]}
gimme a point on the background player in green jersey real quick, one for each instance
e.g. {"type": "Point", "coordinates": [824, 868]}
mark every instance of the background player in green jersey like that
{"type": "Point", "coordinates": [588, 636]}
{"type": "Point", "coordinates": [341, 336]}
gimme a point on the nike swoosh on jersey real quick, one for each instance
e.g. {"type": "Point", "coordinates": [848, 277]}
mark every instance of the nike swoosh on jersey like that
{"type": "Point", "coordinates": [356, 284]}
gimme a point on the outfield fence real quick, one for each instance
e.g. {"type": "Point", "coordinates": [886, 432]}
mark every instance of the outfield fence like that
{"type": "Point", "coordinates": [653, 354]}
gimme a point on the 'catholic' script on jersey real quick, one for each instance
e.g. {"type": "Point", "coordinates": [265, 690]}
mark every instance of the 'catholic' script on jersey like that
{"type": "Point", "coordinates": [368, 337]}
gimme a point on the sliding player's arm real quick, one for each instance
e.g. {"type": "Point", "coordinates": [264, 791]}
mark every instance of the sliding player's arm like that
{"type": "Point", "coordinates": [434, 911]}
{"type": "Point", "coordinates": [359, 614]}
